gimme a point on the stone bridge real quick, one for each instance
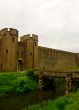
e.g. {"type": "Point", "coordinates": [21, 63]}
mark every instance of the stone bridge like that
{"type": "Point", "coordinates": [68, 75]}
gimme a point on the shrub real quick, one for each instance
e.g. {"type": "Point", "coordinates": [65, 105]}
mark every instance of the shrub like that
{"type": "Point", "coordinates": [30, 74]}
{"type": "Point", "coordinates": [16, 82]}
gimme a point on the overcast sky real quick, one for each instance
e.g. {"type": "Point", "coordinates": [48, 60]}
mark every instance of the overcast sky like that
{"type": "Point", "coordinates": [55, 21]}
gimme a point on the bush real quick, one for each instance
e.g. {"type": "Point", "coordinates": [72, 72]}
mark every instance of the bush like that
{"type": "Point", "coordinates": [16, 83]}
{"type": "Point", "coordinates": [30, 74]}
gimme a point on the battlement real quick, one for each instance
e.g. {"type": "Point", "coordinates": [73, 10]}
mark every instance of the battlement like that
{"type": "Point", "coordinates": [10, 31]}
{"type": "Point", "coordinates": [28, 36]}
{"type": "Point", "coordinates": [35, 37]}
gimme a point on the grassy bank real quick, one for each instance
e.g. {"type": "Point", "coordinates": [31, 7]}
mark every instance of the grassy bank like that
{"type": "Point", "coordinates": [63, 103]}
{"type": "Point", "coordinates": [16, 82]}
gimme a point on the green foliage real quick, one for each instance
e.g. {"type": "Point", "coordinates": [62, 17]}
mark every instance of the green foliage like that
{"type": "Point", "coordinates": [30, 74]}
{"type": "Point", "coordinates": [73, 106]}
{"type": "Point", "coordinates": [16, 83]}
{"type": "Point", "coordinates": [63, 103]}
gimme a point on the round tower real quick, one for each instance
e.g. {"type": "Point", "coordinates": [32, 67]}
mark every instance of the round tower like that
{"type": "Point", "coordinates": [31, 51]}
{"type": "Point", "coordinates": [9, 43]}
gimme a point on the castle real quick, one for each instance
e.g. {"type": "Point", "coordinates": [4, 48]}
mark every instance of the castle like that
{"type": "Point", "coordinates": [26, 54]}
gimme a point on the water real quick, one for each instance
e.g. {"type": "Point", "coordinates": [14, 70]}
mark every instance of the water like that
{"type": "Point", "coordinates": [18, 102]}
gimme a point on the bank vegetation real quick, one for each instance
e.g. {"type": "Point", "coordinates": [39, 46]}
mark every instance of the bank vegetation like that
{"type": "Point", "coordinates": [69, 102]}
{"type": "Point", "coordinates": [17, 82]}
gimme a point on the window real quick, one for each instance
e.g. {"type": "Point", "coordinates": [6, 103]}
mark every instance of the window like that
{"type": "Point", "coordinates": [6, 50]}
{"type": "Point", "coordinates": [35, 43]}
{"type": "Point", "coordinates": [1, 66]}
{"type": "Point", "coordinates": [22, 53]}
{"type": "Point", "coordinates": [12, 39]}
{"type": "Point", "coordinates": [18, 43]}
{"type": "Point", "coordinates": [30, 53]}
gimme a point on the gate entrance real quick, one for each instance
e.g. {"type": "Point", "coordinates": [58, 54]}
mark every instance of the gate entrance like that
{"type": "Point", "coordinates": [20, 65]}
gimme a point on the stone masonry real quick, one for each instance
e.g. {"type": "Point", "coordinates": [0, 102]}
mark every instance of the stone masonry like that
{"type": "Point", "coordinates": [26, 54]}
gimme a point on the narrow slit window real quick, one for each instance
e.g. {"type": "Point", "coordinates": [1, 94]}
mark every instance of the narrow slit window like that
{"type": "Point", "coordinates": [6, 50]}
{"type": "Point", "coordinates": [1, 66]}
{"type": "Point", "coordinates": [12, 39]}
{"type": "Point", "coordinates": [30, 53]}
{"type": "Point", "coordinates": [22, 53]}
{"type": "Point", "coordinates": [35, 43]}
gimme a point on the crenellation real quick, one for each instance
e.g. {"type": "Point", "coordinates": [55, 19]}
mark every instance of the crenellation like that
{"type": "Point", "coordinates": [10, 31]}
{"type": "Point", "coordinates": [3, 31]}
{"type": "Point", "coordinates": [25, 37]}
{"type": "Point", "coordinates": [35, 37]}
{"type": "Point", "coordinates": [13, 31]}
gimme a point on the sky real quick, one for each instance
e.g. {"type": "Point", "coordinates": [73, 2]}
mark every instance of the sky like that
{"type": "Point", "coordinates": [56, 22]}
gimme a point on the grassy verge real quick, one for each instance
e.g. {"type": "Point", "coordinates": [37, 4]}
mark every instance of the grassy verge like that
{"type": "Point", "coordinates": [63, 103]}
{"type": "Point", "coordinates": [17, 82]}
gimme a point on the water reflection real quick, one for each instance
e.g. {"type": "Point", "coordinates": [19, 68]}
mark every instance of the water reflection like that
{"type": "Point", "coordinates": [17, 102]}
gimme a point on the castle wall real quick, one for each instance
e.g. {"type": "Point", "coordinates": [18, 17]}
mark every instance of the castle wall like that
{"type": "Point", "coordinates": [0, 53]}
{"type": "Point", "coordinates": [20, 51]}
{"type": "Point", "coordinates": [20, 54]}
{"type": "Point", "coordinates": [26, 54]}
{"type": "Point", "coordinates": [55, 59]}
{"type": "Point", "coordinates": [77, 59]}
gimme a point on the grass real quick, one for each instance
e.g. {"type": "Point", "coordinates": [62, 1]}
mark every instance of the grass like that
{"type": "Point", "coordinates": [70, 102]}
{"type": "Point", "coordinates": [17, 82]}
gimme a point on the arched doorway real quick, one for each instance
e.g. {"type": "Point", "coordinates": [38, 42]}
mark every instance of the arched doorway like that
{"type": "Point", "coordinates": [20, 65]}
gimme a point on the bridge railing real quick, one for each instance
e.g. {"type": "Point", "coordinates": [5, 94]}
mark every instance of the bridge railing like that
{"type": "Point", "coordinates": [57, 73]}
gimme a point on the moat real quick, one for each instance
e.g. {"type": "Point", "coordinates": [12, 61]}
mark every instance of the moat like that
{"type": "Point", "coordinates": [18, 102]}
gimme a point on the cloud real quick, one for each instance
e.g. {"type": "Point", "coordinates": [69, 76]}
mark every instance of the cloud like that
{"type": "Point", "coordinates": [55, 21]}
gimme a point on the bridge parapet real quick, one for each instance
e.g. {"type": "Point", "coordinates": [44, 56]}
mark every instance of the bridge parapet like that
{"type": "Point", "coordinates": [57, 73]}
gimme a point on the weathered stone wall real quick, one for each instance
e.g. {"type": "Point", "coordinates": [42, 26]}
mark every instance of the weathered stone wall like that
{"type": "Point", "coordinates": [20, 56]}
{"type": "Point", "coordinates": [30, 51]}
{"type": "Point", "coordinates": [26, 54]}
{"type": "Point", "coordinates": [77, 59]}
{"type": "Point", "coordinates": [8, 56]}
{"type": "Point", "coordinates": [55, 59]}
{"type": "Point", "coordinates": [0, 53]}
